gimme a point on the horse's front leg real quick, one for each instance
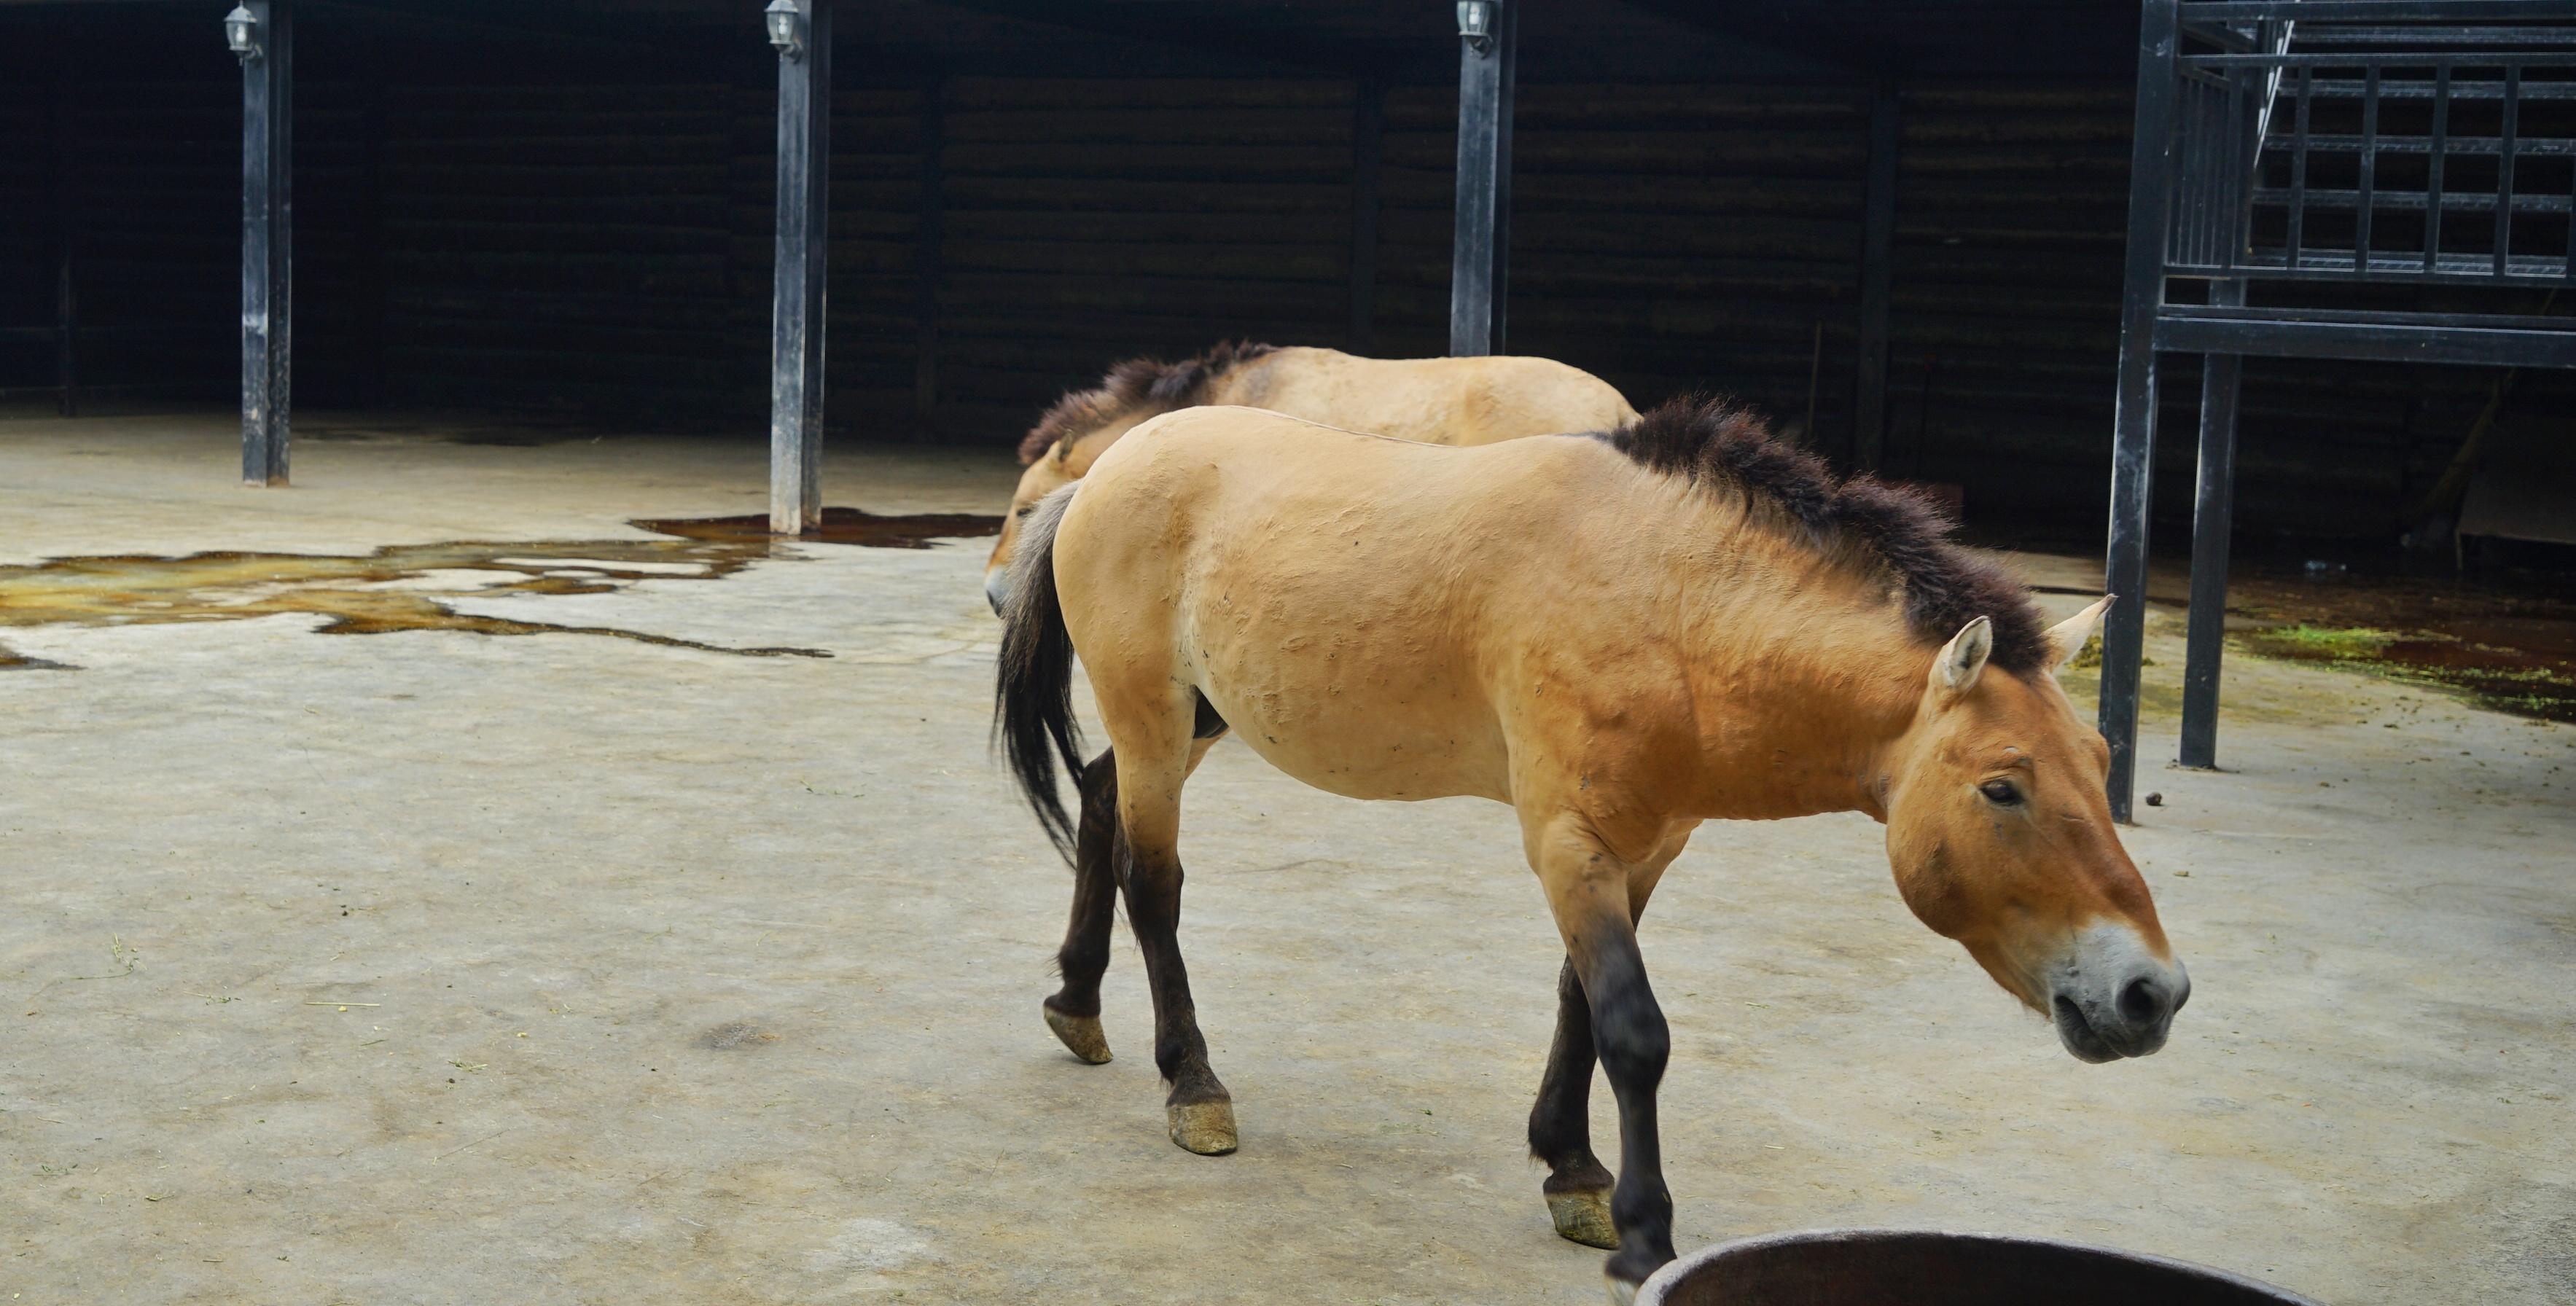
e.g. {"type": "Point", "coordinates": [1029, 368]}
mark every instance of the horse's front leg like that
{"type": "Point", "coordinates": [1594, 896]}
{"type": "Point", "coordinates": [1560, 1126]}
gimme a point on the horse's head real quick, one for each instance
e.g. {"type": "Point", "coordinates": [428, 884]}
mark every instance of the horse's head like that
{"type": "Point", "coordinates": [1040, 479]}
{"type": "Point", "coordinates": [2001, 838]}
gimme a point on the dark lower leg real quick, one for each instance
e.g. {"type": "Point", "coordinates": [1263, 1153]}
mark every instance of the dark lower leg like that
{"type": "Point", "coordinates": [1560, 1124]}
{"type": "Point", "coordinates": [1628, 1030]}
{"type": "Point", "coordinates": [1073, 1012]}
{"type": "Point", "coordinates": [1201, 1114]}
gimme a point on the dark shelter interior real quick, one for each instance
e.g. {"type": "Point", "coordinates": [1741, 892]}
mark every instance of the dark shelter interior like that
{"type": "Point", "coordinates": [565, 209]}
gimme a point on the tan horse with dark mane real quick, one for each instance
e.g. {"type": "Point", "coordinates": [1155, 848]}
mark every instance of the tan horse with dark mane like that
{"type": "Point", "coordinates": [1433, 400]}
{"type": "Point", "coordinates": [1621, 635]}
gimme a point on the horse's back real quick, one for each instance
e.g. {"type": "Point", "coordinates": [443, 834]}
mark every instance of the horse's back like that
{"type": "Point", "coordinates": [1458, 401]}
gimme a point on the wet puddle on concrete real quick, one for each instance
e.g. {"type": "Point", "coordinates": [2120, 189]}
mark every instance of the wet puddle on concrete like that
{"type": "Point", "coordinates": [414, 586]}
{"type": "Point", "coordinates": [2508, 644]}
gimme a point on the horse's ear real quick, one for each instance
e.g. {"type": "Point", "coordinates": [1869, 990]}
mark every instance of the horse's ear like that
{"type": "Point", "coordinates": [1955, 670]}
{"type": "Point", "coordinates": [2068, 637]}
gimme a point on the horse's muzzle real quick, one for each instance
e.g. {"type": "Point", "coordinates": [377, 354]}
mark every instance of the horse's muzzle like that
{"type": "Point", "coordinates": [2115, 1000]}
{"type": "Point", "coordinates": [997, 588]}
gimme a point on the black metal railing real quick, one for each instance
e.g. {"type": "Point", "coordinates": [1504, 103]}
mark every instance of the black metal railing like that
{"type": "Point", "coordinates": [2318, 152]}
{"type": "Point", "coordinates": [2286, 146]}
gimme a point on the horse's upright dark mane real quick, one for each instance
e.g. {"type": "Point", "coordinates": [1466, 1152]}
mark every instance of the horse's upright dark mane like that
{"type": "Point", "coordinates": [1720, 446]}
{"type": "Point", "coordinates": [1136, 383]}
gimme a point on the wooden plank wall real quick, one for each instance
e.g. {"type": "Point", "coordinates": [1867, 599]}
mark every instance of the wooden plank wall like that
{"type": "Point", "coordinates": [139, 158]}
{"type": "Point", "coordinates": [528, 239]}
{"type": "Point", "coordinates": [1670, 238]}
{"type": "Point", "coordinates": [2011, 204]}
{"type": "Point", "coordinates": [154, 202]}
{"type": "Point", "coordinates": [1087, 221]}
{"type": "Point", "coordinates": [560, 247]}
{"type": "Point", "coordinates": [27, 232]}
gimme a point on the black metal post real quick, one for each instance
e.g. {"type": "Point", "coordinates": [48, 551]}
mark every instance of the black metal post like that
{"type": "Point", "coordinates": [927, 241]}
{"type": "Point", "coordinates": [2212, 518]}
{"type": "Point", "coordinates": [268, 242]}
{"type": "Point", "coordinates": [1877, 273]}
{"type": "Point", "coordinates": [2214, 508]}
{"type": "Point", "coordinates": [2133, 423]}
{"type": "Point", "coordinates": [1508, 20]}
{"type": "Point", "coordinates": [1482, 246]}
{"type": "Point", "coordinates": [797, 294]}
{"type": "Point", "coordinates": [1368, 137]}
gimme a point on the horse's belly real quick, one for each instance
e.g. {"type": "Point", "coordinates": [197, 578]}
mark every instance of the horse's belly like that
{"type": "Point", "coordinates": [1356, 762]}
{"type": "Point", "coordinates": [1362, 728]}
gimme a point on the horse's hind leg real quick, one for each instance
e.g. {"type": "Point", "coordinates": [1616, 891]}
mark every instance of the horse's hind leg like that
{"type": "Point", "coordinates": [1153, 735]}
{"type": "Point", "coordinates": [1073, 1011]}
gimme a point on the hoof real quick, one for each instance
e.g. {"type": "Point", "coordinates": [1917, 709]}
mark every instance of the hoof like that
{"type": "Point", "coordinates": [1583, 1215]}
{"type": "Point", "coordinates": [1626, 1272]}
{"type": "Point", "coordinates": [1081, 1035]}
{"type": "Point", "coordinates": [1206, 1128]}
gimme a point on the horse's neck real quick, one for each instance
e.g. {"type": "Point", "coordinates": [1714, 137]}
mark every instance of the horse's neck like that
{"type": "Point", "coordinates": [1087, 447]}
{"type": "Point", "coordinates": [1801, 683]}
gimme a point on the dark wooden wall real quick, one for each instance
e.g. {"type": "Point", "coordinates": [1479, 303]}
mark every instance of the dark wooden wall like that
{"type": "Point", "coordinates": [567, 247]}
{"type": "Point", "coordinates": [136, 176]}
{"type": "Point", "coordinates": [1669, 237]}
{"type": "Point", "coordinates": [30, 210]}
{"type": "Point", "coordinates": [577, 231]}
{"type": "Point", "coordinates": [1088, 220]}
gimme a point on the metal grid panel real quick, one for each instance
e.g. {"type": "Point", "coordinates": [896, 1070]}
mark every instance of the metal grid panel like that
{"type": "Point", "coordinates": [2442, 152]}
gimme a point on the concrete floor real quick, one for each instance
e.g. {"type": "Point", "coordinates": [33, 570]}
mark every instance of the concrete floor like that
{"type": "Point", "coordinates": [437, 967]}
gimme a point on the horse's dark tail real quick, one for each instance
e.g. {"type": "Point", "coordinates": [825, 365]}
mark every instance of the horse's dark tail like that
{"type": "Point", "coordinates": [1033, 685]}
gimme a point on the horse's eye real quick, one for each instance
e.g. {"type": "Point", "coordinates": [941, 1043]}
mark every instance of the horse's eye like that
{"type": "Point", "coordinates": [1026, 511]}
{"type": "Point", "coordinates": [2001, 793]}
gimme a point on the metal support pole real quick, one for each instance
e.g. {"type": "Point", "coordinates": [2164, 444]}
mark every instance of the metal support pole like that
{"type": "Point", "coordinates": [1368, 137]}
{"type": "Point", "coordinates": [2213, 511]}
{"type": "Point", "coordinates": [2133, 422]}
{"type": "Point", "coordinates": [804, 237]}
{"type": "Point", "coordinates": [268, 242]}
{"type": "Point", "coordinates": [1878, 245]}
{"type": "Point", "coordinates": [928, 240]}
{"type": "Point", "coordinates": [1481, 248]}
{"type": "Point", "coordinates": [1505, 109]}
{"type": "Point", "coordinates": [2212, 518]}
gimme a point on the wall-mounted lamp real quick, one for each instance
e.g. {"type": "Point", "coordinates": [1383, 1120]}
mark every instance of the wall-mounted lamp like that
{"type": "Point", "coordinates": [1476, 23]}
{"type": "Point", "coordinates": [241, 33]}
{"type": "Point", "coordinates": [786, 28]}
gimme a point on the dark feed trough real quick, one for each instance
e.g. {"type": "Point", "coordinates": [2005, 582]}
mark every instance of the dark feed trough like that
{"type": "Point", "coordinates": [1882, 1267]}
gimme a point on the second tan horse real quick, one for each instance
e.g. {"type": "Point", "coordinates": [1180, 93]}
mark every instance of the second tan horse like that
{"type": "Point", "coordinates": [1620, 636]}
{"type": "Point", "coordinates": [1434, 400]}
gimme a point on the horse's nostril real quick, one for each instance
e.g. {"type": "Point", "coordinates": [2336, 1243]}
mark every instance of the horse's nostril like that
{"type": "Point", "coordinates": [2142, 1002]}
